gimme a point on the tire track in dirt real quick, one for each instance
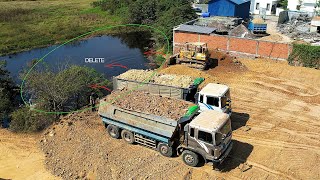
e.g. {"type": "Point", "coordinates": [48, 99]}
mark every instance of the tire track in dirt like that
{"type": "Point", "coordinates": [277, 144]}
{"type": "Point", "coordinates": [265, 169]}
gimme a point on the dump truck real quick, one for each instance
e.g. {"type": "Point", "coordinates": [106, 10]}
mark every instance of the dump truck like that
{"type": "Point", "coordinates": [258, 26]}
{"type": "Point", "coordinates": [212, 97]}
{"type": "Point", "coordinates": [194, 136]}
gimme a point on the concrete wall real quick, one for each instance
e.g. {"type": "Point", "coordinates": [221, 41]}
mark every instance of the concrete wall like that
{"type": "Point", "coordinates": [236, 45]}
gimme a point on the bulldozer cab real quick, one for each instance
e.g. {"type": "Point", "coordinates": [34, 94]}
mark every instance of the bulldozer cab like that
{"type": "Point", "coordinates": [197, 50]}
{"type": "Point", "coordinates": [197, 47]}
{"type": "Point", "coordinates": [195, 54]}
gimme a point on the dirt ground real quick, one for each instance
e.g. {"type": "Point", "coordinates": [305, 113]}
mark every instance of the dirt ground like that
{"type": "Point", "coordinates": [275, 36]}
{"type": "Point", "coordinates": [276, 132]}
{"type": "Point", "coordinates": [20, 157]}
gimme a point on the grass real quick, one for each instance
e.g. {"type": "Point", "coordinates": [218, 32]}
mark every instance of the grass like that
{"type": "Point", "coordinates": [31, 24]}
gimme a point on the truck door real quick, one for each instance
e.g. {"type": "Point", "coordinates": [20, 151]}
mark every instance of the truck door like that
{"type": "Point", "coordinates": [201, 103]}
{"type": "Point", "coordinates": [205, 140]}
{"type": "Point", "coordinates": [191, 137]}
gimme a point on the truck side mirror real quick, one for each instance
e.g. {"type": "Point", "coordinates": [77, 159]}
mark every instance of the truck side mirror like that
{"type": "Point", "coordinates": [196, 98]}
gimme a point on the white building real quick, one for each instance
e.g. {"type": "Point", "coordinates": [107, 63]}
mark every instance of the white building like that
{"type": "Point", "coordinates": [303, 5]}
{"type": "Point", "coordinates": [269, 6]}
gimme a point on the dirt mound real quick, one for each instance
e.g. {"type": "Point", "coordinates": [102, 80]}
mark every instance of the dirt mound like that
{"type": "Point", "coordinates": [147, 103]}
{"type": "Point", "coordinates": [81, 149]}
{"type": "Point", "coordinates": [165, 79]}
{"type": "Point", "coordinates": [258, 21]}
{"type": "Point", "coordinates": [226, 63]}
{"type": "Point", "coordinates": [241, 31]}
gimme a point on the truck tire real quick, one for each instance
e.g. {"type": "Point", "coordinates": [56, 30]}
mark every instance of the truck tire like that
{"type": "Point", "coordinates": [190, 158]}
{"type": "Point", "coordinates": [127, 136]}
{"type": "Point", "coordinates": [165, 150]}
{"type": "Point", "coordinates": [113, 131]}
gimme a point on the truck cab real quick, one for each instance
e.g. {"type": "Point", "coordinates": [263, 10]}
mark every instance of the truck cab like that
{"type": "Point", "coordinates": [214, 97]}
{"type": "Point", "coordinates": [209, 135]}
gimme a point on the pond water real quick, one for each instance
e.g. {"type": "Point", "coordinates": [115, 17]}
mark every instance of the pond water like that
{"type": "Point", "coordinates": [110, 55]}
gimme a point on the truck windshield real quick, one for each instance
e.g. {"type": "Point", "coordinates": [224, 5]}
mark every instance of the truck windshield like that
{"type": "Point", "coordinates": [224, 99]}
{"type": "Point", "coordinates": [223, 132]}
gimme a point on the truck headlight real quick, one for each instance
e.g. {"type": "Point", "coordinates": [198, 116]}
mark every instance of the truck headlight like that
{"type": "Point", "coordinates": [217, 153]}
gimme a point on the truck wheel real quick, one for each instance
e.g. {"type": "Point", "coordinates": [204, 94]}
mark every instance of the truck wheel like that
{"type": "Point", "coordinates": [190, 158]}
{"type": "Point", "coordinates": [165, 150]}
{"type": "Point", "coordinates": [127, 136]}
{"type": "Point", "coordinates": [113, 131]}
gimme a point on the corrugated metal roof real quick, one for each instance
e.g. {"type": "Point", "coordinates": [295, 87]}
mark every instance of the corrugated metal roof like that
{"type": "Point", "coordinates": [195, 29]}
{"type": "Point", "coordinates": [239, 1]}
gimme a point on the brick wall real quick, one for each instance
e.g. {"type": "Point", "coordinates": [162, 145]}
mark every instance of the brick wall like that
{"type": "Point", "coordinates": [236, 45]}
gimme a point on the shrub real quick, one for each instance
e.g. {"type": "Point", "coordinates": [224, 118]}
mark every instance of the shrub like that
{"type": "Point", "coordinates": [159, 59]}
{"type": "Point", "coordinates": [305, 55]}
{"type": "Point", "coordinates": [26, 120]}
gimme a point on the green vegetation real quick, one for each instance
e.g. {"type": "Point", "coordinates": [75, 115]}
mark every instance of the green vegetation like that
{"type": "Point", "coordinates": [27, 120]}
{"type": "Point", "coordinates": [283, 4]}
{"type": "Point", "coordinates": [8, 92]}
{"type": "Point", "coordinates": [64, 90]}
{"type": "Point", "coordinates": [162, 14]}
{"type": "Point", "coordinates": [318, 8]}
{"type": "Point", "coordinates": [30, 24]}
{"type": "Point", "coordinates": [55, 90]}
{"type": "Point", "coordinates": [305, 55]}
{"type": "Point", "coordinates": [159, 59]}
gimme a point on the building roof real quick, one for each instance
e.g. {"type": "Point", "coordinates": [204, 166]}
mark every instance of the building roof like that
{"type": "Point", "coordinates": [209, 120]}
{"type": "Point", "coordinates": [214, 89]}
{"type": "Point", "coordinates": [238, 1]}
{"type": "Point", "coordinates": [195, 29]}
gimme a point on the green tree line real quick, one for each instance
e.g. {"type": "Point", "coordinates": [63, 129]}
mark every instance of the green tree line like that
{"type": "Point", "coordinates": [52, 90]}
{"type": "Point", "coordinates": [162, 14]}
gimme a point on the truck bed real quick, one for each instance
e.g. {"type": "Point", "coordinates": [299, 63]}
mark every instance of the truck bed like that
{"type": "Point", "coordinates": [166, 85]}
{"type": "Point", "coordinates": [157, 127]}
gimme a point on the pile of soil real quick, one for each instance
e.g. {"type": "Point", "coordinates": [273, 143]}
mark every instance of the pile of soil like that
{"type": "Point", "coordinates": [165, 79]}
{"type": "Point", "coordinates": [226, 62]}
{"type": "Point", "coordinates": [241, 31]}
{"type": "Point", "coordinates": [144, 102]}
{"type": "Point", "coordinates": [258, 21]}
{"type": "Point", "coordinates": [79, 148]}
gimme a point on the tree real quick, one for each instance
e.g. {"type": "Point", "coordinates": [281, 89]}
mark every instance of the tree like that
{"type": "Point", "coordinates": [163, 14]}
{"type": "Point", "coordinates": [284, 4]}
{"type": "Point", "coordinates": [299, 4]}
{"type": "Point", "coordinates": [8, 92]}
{"type": "Point", "coordinates": [173, 17]}
{"type": "Point", "coordinates": [318, 8]}
{"type": "Point", "coordinates": [65, 90]}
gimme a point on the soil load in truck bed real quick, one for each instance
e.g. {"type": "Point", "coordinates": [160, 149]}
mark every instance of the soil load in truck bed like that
{"type": "Point", "coordinates": [182, 81]}
{"type": "Point", "coordinates": [144, 102]}
{"type": "Point", "coordinates": [165, 85]}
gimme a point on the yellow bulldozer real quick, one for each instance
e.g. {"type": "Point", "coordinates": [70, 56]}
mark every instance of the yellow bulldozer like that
{"type": "Point", "coordinates": [195, 55]}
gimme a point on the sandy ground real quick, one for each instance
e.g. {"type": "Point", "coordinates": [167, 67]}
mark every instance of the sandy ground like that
{"type": "Point", "coordinates": [20, 157]}
{"type": "Point", "coordinates": [276, 132]}
{"type": "Point", "coordinates": [275, 36]}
